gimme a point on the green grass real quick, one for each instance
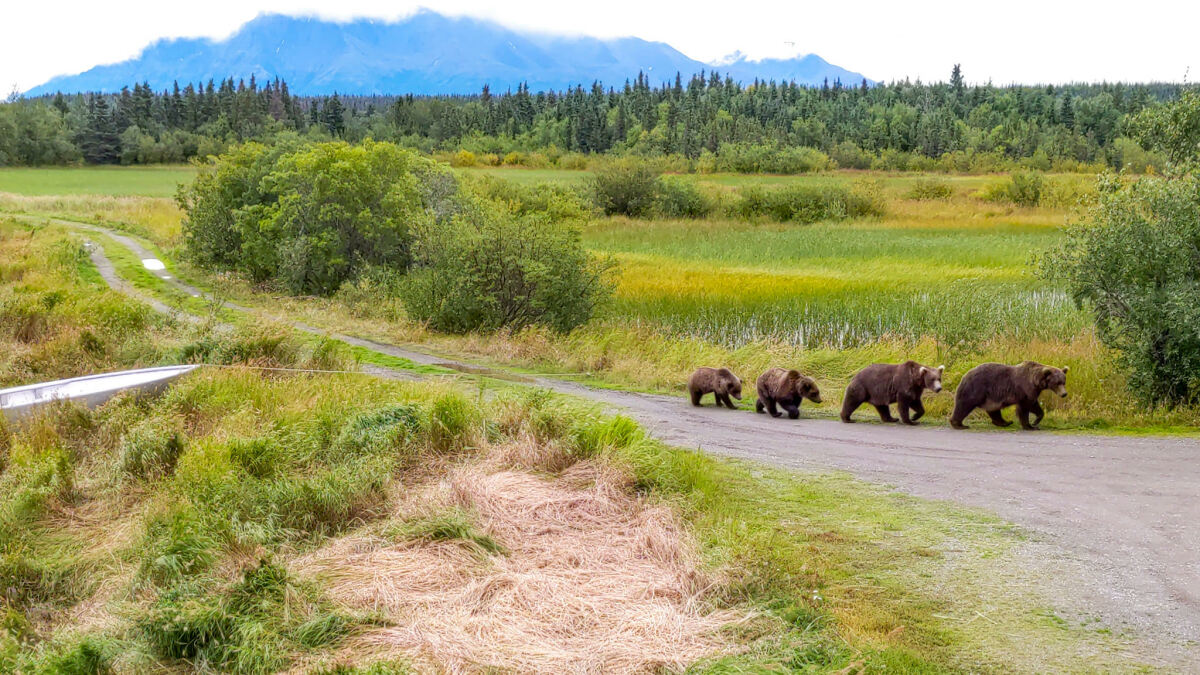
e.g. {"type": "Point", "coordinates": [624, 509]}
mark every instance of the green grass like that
{"type": "Point", "coordinates": [141, 181]}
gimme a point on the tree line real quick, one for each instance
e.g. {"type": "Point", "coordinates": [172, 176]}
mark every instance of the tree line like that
{"type": "Point", "coordinates": [896, 126]}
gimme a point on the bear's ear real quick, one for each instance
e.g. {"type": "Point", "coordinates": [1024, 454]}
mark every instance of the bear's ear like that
{"type": "Point", "coordinates": [941, 369]}
{"type": "Point", "coordinates": [1066, 369]}
{"type": "Point", "coordinates": [921, 372]}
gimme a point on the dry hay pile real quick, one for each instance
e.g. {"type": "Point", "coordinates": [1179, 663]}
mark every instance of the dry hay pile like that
{"type": "Point", "coordinates": [591, 579]}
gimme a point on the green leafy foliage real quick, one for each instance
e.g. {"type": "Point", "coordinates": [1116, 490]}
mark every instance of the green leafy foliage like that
{"type": "Point", "coordinates": [1172, 129]}
{"type": "Point", "coordinates": [930, 189]}
{"type": "Point", "coordinates": [486, 269]}
{"type": "Point", "coordinates": [1133, 260]}
{"type": "Point", "coordinates": [626, 187]}
{"type": "Point", "coordinates": [679, 197]}
{"type": "Point", "coordinates": [314, 217]}
{"type": "Point", "coordinates": [800, 203]}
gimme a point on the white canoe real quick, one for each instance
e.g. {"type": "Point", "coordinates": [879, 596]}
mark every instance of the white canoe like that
{"type": "Point", "coordinates": [90, 390]}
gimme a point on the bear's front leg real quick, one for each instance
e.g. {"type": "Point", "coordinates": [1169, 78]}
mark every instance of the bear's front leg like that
{"type": "Point", "coordinates": [771, 408]}
{"type": "Point", "coordinates": [918, 408]}
{"type": "Point", "coordinates": [1023, 410]}
{"type": "Point", "coordinates": [1036, 409]}
{"type": "Point", "coordinates": [793, 410]}
{"type": "Point", "coordinates": [902, 406]}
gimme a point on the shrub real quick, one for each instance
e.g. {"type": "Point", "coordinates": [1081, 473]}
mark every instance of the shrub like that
{"type": "Point", "coordinates": [1025, 189]}
{"type": "Point", "coordinates": [810, 203]}
{"type": "Point", "coordinates": [1021, 188]}
{"type": "Point", "coordinates": [681, 198]}
{"type": "Point", "coordinates": [757, 158]}
{"type": "Point", "coordinates": [625, 187]}
{"type": "Point", "coordinates": [490, 269]}
{"type": "Point", "coordinates": [930, 189]}
{"type": "Point", "coordinates": [1132, 261]}
{"type": "Point", "coordinates": [463, 158]}
{"type": "Point", "coordinates": [847, 155]}
{"type": "Point", "coordinates": [311, 217]}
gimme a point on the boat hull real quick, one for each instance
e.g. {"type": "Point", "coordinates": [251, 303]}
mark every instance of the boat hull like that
{"type": "Point", "coordinates": [89, 390]}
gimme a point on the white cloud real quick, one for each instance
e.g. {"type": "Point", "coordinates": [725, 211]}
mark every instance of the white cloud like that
{"type": "Point", "coordinates": [1014, 41]}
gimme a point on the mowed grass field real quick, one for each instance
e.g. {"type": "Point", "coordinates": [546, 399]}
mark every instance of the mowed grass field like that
{"type": "Point", "coordinates": [147, 181]}
{"type": "Point", "coordinates": [947, 281]}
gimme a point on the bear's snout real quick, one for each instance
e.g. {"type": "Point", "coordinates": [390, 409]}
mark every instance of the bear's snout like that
{"type": "Point", "coordinates": [937, 386]}
{"type": "Point", "coordinates": [1061, 390]}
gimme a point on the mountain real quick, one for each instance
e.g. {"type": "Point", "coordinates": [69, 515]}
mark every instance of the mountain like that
{"type": "Point", "coordinates": [426, 53]}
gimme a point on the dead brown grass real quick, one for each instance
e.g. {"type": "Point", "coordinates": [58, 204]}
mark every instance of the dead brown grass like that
{"type": "Point", "coordinates": [592, 579]}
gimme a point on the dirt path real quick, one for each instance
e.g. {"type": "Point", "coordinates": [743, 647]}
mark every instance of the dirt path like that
{"type": "Point", "coordinates": [1120, 515]}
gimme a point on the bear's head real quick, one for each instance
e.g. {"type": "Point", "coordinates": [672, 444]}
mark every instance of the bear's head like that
{"type": "Point", "coordinates": [1054, 379]}
{"type": "Point", "coordinates": [806, 387]}
{"type": "Point", "coordinates": [733, 384]}
{"type": "Point", "coordinates": [931, 378]}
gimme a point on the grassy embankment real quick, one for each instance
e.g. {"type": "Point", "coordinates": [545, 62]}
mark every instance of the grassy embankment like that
{"type": "Point", "coordinates": [251, 522]}
{"type": "Point", "coordinates": [944, 281]}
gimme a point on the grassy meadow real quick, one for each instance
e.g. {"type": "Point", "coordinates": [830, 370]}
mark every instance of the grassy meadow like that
{"type": "Point", "coordinates": [948, 280]}
{"type": "Point", "coordinates": [255, 522]}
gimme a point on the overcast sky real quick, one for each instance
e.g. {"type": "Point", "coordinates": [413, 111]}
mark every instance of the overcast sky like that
{"type": "Point", "coordinates": [1007, 41]}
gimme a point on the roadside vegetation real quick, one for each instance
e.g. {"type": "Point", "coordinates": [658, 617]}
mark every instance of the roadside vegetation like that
{"type": "Point", "coordinates": [248, 521]}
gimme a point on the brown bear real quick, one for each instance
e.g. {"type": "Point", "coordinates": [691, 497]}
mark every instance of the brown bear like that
{"type": "Point", "coordinates": [785, 389]}
{"type": "Point", "coordinates": [720, 382]}
{"type": "Point", "coordinates": [882, 384]}
{"type": "Point", "coordinates": [995, 386]}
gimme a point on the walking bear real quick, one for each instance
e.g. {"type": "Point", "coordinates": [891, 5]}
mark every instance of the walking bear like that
{"type": "Point", "coordinates": [785, 389]}
{"type": "Point", "coordinates": [882, 384]}
{"type": "Point", "coordinates": [720, 382]}
{"type": "Point", "coordinates": [995, 386]}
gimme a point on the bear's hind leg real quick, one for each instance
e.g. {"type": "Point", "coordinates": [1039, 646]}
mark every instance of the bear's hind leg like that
{"type": "Point", "coordinates": [961, 410]}
{"type": "Point", "coordinates": [696, 396]}
{"type": "Point", "coordinates": [758, 406]}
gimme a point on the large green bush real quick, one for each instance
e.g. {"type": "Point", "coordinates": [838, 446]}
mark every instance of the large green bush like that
{"type": "Point", "coordinates": [1133, 260]}
{"type": "Point", "coordinates": [312, 217]}
{"type": "Point", "coordinates": [626, 187]}
{"type": "Point", "coordinates": [679, 197]}
{"type": "Point", "coordinates": [488, 268]}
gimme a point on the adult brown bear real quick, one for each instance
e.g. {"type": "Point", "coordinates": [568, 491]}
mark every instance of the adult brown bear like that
{"type": "Point", "coordinates": [882, 384]}
{"type": "Point", "coordinates": [720, 382]}
{"type": "Point", "coordinates": [785, 389]}
{"type": "Point", "coordinates": [995, 386]}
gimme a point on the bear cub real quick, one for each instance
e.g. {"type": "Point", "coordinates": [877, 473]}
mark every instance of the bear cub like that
{"type": "Point", "coordinates": [882, 384]}
{"type": "Point", "coordinates": [720, 382]}
{"type": "Point", "coordinates": [995, 386]}
{"type": "Point", "coordinates": [779, 388]}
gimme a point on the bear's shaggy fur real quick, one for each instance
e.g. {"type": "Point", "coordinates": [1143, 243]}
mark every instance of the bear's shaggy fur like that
{"type": "Point", "coordinates": [995, 386]}
{"type": "Point", "coordinates": [720, 382]}
{"type": "Point", "coordinates": [785, 389]}
{"type": "Point", "coordinates": [882, 384]}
